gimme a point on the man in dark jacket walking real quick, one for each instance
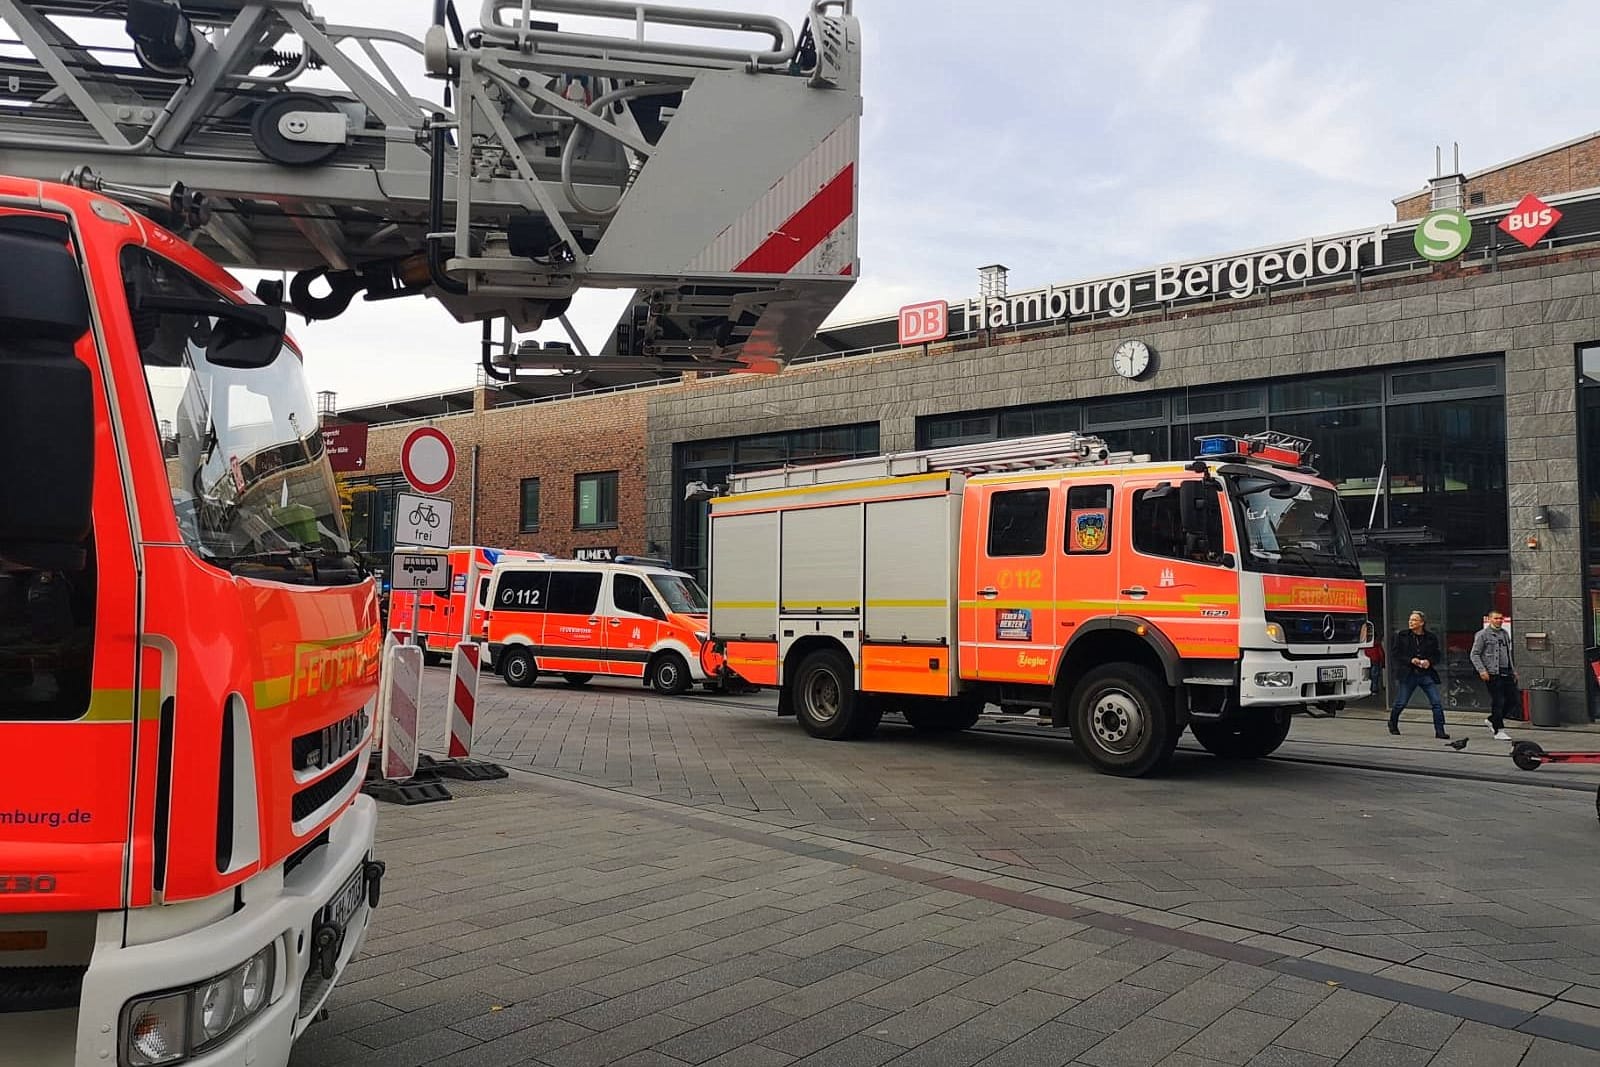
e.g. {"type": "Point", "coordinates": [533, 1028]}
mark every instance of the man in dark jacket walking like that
{"type": "Point", "coordinates": [1413, 652]}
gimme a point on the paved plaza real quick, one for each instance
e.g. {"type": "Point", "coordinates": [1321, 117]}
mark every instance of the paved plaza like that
{"type": "Point", "coordinates": [695, 881]}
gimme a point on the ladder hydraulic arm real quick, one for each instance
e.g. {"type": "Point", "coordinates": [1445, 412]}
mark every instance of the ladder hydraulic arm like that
{"type": "Point", "coordinates": [714, 178]}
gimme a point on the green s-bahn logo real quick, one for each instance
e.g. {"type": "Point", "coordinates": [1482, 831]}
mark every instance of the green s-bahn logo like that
{"type": "Point", "coordinates": [1442, 235]}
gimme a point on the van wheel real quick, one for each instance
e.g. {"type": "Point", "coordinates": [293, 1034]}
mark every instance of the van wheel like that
{"type": "Point", "coordinates": [943, 716]}
{"type": "Point", "coordinates": [669, 674]}
{"type": "Point", "coordinates": [518, 669]}
{"type": "Point", "coordinates": [577, 681]}
{"type": "Point", "coordinates": [1251, 738]}
{"type": "Point", "coordinates": [825, 698]}
{"type": "Point", "coordinates": [1123, 722]}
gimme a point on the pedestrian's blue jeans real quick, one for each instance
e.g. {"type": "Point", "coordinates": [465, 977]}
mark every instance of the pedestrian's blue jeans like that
{"type": "Point", "coordinates": [1408, 683]}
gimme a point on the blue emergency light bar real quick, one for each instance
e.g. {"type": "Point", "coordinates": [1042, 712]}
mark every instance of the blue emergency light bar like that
{"type": "Point", "coordinates": [1278, 449]}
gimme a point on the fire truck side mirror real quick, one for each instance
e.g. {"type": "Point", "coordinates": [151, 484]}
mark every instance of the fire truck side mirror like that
{"type": "Point", "coordinates": [46, 402]}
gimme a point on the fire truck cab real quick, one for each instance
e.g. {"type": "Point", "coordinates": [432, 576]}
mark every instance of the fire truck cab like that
{"type": "Point", "coordinates": [1126, 600]}
{"type": "Point", "coordinates": [630, 618]}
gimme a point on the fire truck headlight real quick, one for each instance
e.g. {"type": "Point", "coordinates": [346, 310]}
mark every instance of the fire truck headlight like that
{"type": "Point", "coordinates": [1274, 633]}
{"type": "Point", "coordinates": [1274, 679]}
{"type": "Point", "coordinates": [158, 1031]}
{"type": "Point", "coordinates": [177, 1026]}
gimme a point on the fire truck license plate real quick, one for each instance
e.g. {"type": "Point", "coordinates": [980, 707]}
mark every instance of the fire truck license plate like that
{"type": "Point", "coordinates": [1330, 674]}
{"type": "Point", "coordinates": [345, 902]}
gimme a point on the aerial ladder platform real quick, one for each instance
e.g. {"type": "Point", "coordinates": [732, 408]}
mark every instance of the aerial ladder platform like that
{"type": "Point", "coordinates": [704, 159]}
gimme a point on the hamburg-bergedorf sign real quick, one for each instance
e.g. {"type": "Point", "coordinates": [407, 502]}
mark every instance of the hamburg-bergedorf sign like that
{"type": "Point", "coordinates": [1231, 277]}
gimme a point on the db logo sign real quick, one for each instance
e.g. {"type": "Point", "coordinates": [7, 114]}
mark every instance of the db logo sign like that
{"type": "Point", "coordinates": [921, 323]}
{"type": "Point", "coordinates": [1529, 221]}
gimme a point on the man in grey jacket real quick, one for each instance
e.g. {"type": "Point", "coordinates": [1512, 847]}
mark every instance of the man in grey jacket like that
{"type": "Point", "coordinates": [1491, 656]}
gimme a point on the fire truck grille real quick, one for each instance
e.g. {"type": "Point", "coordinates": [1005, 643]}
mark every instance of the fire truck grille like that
{"type": "Point", "coordinates": [323, 790]}
{"type": "Point", "coordinates": [1318, 627]}
{"type": "Point", "coordinates": [40, 988]}
{"type": "Point", "coordinates": [327, 746]}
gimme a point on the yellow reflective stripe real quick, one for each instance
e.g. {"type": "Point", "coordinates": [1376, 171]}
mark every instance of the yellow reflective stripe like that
{"type": "Point", "coordinates": [743, 605]}
{"type": "Point", "coordinates": [1127, 470]}
{"type": "Point", "coordinates": [839, 487]}
{"type": "Point", "coordinates": [274, 692]}
{"type": "Point", "coordinates": [116, 705]}
{"type": "Point", "coordinates": [908, 603]}
{"type": "Point", "coordinates": [330, 642]}
{"type": "Point", "coordinates": [1039, 604]}
{"type": "Point", "coordinates": [1198, 604]}
{"type": "Point", "coordinates": [813, 605]}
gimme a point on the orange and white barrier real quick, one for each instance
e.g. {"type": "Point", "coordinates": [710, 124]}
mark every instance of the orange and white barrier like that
{"type": "Point", "coordinates": [464, 670]}
{"type": "Point", "coordinates": [399, 700]}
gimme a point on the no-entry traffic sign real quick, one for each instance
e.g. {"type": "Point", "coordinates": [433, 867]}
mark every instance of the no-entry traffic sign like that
{"type": "Point", "coordinates": [428, 460]}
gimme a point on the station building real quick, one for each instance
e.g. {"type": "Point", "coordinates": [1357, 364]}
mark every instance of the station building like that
{"type": "Point", "coordinates": [1445, 365]}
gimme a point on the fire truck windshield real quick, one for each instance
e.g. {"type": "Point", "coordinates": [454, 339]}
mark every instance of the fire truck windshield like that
{"type": "Point", "coordinates": [252, 487]}
{"type": "Point", "coordinates": [681, 594]}
{"type": "Point", "coordinates": [1293, 528]}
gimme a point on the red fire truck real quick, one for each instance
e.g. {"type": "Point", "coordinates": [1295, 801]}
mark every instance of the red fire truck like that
{"type": "Point", "coordinates": [182, 622]}
{"type": "Point", "coordinates": [1125, 600]}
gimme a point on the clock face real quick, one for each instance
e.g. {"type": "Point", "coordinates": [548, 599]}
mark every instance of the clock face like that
{"type": "Point", "coordinates": [1131, 359]}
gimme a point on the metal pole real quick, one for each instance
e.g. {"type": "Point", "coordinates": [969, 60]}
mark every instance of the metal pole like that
{"type": "Point", "coordinates": [1377, 491]}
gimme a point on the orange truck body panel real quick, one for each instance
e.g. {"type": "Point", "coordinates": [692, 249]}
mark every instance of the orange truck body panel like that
{"type": "Point", "coordinates": [437, 617]}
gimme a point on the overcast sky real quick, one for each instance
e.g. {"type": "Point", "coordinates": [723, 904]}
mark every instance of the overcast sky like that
{"type": "Point", "coordinates": [1069, 138]}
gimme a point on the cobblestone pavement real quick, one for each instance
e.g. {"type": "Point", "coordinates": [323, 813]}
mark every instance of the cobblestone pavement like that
{"type": "Point", "coordinates": [696, 881]}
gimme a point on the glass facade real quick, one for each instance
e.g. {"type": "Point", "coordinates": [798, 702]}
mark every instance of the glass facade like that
{"type": "Point", "coordinates": [710, 463]}
{"type": "Point", "coordinates": [1589, 479]}
{"type": "Point", "coordinates": [1418, 454]}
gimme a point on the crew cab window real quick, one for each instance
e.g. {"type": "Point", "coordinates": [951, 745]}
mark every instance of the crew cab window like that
{"type": "Point", "coordinates": [1088, 520]}
{"type": "Point", "coordinates": [523, 591]}
{"type": "Point", "coordinates": [1017, 522]}
{"type": "Point", "coordinates": [483, 592]}
{"type": "Point", "coordinates": [630, 594]}
{"type": "Point", "coordinates": [1158, 527]}
{"type": "Point", "coordinates": [574, 592]}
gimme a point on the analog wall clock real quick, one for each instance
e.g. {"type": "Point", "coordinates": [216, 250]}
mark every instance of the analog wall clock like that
{"type": "Point", "coordinates": [1131, 359]}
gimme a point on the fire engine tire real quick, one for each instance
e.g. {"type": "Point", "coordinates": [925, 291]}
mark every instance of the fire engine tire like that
{"type": "Point", "coordinates": [668, 674]}
{"type": "Point", "coordinates": [943, 716]}
{"type": "Point", "coordinates": [1246, 739]}
{"type": "Point", "coordinates": [869, 713]}
{"type": "Point", "coordinates": [518, 668]}
{"type": "Point", "coordinates": [825, 697]}
{"type": "Point", "coordinates": [577, 681]}
{"type": "Point", "coordinates": [1123, 721]}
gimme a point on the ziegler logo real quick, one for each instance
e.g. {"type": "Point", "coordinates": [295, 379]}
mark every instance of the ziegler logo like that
{"type": "Point", "coordinates": [1028, 659]}
{"type": "Point", "coordinates": [27, 883]}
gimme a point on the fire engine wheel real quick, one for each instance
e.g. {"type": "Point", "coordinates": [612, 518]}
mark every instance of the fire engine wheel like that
{"type": "Point", "coordinates": [1123, 722]}
{"type": "Point", "coordinates": [943, 716]}
{"type": "Point", "coordinates": [577, 681]}
{"type": "Point", "coordinates": [518, 669]}
{"type": "Point", "coordinates": [1249, 738]}
{"type": "Point", "coordinates": [826, 701]}
{"type": "Point", "coordinates": [669, 674]}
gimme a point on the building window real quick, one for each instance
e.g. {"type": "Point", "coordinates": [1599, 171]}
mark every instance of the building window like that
{"type": "Point", "coordinates": [595, 501]}
{"type": "Point", "coordinates": [530, 505]}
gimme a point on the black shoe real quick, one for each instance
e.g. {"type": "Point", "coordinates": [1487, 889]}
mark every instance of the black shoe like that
{"type": "Point", "coordinates": [1393, 728]}
{"type": "Point", "coordinates": [1440, 735]}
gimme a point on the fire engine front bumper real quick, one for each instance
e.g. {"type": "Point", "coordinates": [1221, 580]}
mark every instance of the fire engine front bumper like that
{"type": "Point", "coordinates": [1269, 677]}
{"type": "Point", "coordinates": [293, 915]}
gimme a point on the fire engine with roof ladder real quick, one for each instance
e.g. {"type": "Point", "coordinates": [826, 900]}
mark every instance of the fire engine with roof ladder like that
{"type": "Point", "coordinates": [189, 651]}
{"type": "Point", "coordinates": [1123, 600]}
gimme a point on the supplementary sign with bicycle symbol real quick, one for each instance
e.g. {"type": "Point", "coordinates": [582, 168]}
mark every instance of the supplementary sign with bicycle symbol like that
{"type": "Point", "coordinates": [420, 520]}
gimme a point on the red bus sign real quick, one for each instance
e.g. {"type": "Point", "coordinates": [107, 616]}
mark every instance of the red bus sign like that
{"type": "Point", "coordinates": [922, 323]}
{"type": "Point", "coordinates": [1530, 220]}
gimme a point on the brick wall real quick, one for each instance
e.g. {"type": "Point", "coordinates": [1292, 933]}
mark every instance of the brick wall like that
{"type": "Point", "coordinates": [553, 442]}
{"type": "Point", "coordinates": [1562, 170]}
